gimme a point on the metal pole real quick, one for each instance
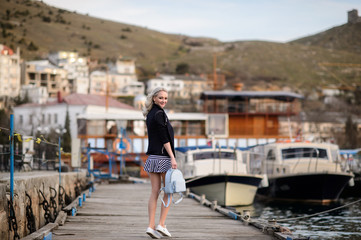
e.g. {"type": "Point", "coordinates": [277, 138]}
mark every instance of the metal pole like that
{"type": "Point", "coordinates": [88, 156]}
{"type": "Point", "coordinates": [59, 161]}
{"type": "Point", "coordinates": [289, 127]}
{"type": "Point", "coordinates": [11, 157]}
{"type": "Point", "coordinates": [110, 163]}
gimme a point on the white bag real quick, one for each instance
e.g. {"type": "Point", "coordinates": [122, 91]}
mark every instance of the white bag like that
{"type": "Point", "coordinates": [174, 183]}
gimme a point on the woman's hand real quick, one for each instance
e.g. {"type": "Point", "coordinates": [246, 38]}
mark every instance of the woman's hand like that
{"type": "Point", "coordinates": [174, 163]}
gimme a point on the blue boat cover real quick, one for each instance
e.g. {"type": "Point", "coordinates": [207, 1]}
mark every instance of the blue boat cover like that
{"type": "Point", "coordinates": [190, 148]}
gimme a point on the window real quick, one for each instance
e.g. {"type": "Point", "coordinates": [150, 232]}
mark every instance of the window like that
{"type": "Point", "coordinates": [214, 155]}
{"type": "Point", "coordinates": [55, 118]}
{"type": "Point", "coordinates": [30, 119]}
{"type": "Point", "coordinates": [43, 118]}
{"type": "Point", "coordinates": [217, 125]}
{"type": "Point", "coordinates": [305, 152]}
{"type": "Point", "coordinates": [21, 119]}
{"type": "Point", "coordinates": [44, 76]}
{"type": "Point", "coordinates": [271, 155]}
{"type": "Point", "coordinates": [31, 76]}
{"type": "Point", "coordinates": [49, 118]}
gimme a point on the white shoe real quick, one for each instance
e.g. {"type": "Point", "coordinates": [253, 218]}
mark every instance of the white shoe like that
{"type": "Point", "coordinates": [152, 233]}
{"type": "Point", "coordinates": [163, 231]}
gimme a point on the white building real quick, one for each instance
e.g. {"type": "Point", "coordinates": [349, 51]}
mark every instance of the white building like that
{"type": "Point", "coordinates": [98, 82]}
{"type": "Point", "coordinates": [29, 117]}
{"type": "Point", "coordinates": [35, 94]}
{"type": "Point", "coordinates": [119, 80]}
{"type": "Point", "coordinates": [9, 73]}
{"type": "Point", "coordinates": [76, 67]}
{"type": "Point", "coordinates": [124, 85]}
{"type": "Point", "coordinates": [169, 82]}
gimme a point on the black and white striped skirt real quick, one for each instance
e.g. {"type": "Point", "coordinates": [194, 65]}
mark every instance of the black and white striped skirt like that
{"type": "Point", "coordinates": [157, 164]}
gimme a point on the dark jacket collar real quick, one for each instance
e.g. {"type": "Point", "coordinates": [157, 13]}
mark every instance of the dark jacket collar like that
{"type": "Point", "coordinates": [157, 107]}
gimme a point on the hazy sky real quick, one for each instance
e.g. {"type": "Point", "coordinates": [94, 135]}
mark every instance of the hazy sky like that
{"type": "Point", "coordinates": [225, 20]}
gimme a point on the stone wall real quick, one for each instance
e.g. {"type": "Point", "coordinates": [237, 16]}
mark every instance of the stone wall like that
{"type": "Point", "coordinates": [32, 184]}
{"type": "Point", "coordinates": [3, 213]}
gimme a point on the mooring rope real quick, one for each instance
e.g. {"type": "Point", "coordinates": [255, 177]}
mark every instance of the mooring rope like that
{"type": "Point", "coordinates": [319, 213]}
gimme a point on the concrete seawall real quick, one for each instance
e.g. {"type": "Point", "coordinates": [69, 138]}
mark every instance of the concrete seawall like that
{"type": "Point", "coordinates": [32, 183]}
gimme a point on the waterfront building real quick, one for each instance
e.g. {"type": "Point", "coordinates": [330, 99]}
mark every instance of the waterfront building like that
{"type": "Point", "coordinates": [326, 127]}
{"type": "Point", "coordinates": [32, 117]}
{"type": "Point", "coordinates": [103, 129]}
{"type": "Point", "coordinates": [231, 118]}
{"type": "Point", "coordinates": [249, 114]}
{"type": "Point", "coordinates": [9, 73]}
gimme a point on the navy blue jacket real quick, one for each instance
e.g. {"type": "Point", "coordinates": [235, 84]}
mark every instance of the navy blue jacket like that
{"type": "Point", "coordinates": [160, 131]}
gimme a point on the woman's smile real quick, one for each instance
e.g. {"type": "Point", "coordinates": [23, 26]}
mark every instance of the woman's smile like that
{"type": "Point", "coordinates": [161, 99]}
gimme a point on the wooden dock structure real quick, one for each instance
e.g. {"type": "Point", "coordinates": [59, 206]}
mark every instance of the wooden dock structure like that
{"type": "Point", "coordinates": [119, 211]}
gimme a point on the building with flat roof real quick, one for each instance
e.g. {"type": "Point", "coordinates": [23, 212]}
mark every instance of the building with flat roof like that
{"type": "Point", "coordinates": [9, 73]}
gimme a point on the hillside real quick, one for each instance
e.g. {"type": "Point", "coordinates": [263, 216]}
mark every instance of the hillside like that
{"type": "Point", "coordinates": [346, 37]}
{"type": "Point", "coordinates": [38, 28]}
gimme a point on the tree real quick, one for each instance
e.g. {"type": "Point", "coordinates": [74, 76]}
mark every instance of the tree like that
{"type": "Point", "coordinates": [7, 14]}
{"type": "Point", "coordinates": [19, 101]}
{"type": "Point", "coordinates": [66, 139]}
{"type": "Point", "coordinates": [32, 47]}
{"type": "Point", "coordinates": [5, 123]}
{"type": "Point", "coordinates": [182, 68]}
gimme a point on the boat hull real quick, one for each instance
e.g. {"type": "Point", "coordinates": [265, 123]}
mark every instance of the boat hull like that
{"type": "Point", "coordinates": [317, 187]}
{"type": "Point", "coordinates": [226, 189]}
{"type": "Point", "coordinates": [355, 190]}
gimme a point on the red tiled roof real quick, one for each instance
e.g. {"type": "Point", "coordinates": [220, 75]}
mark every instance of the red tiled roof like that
{"type": "Point", "coordinates": [98, 100]}
{"type": "Point", "coordinates": [37, 104]}
{"type": "Point", "coordinates": [7, 50]}
{"type": "Point", "coordinates": [84, 99]}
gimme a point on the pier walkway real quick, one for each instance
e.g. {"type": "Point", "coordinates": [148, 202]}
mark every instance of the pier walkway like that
{"type": "Point", "coordinates": [119, 211]}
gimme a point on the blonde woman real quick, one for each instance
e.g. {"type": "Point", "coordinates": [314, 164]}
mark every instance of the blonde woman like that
{"type": "Point", "coordinates": [161, 156]}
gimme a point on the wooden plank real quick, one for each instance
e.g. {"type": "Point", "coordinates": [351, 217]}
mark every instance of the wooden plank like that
{"type": "Point", "coordinates": [119, 211]}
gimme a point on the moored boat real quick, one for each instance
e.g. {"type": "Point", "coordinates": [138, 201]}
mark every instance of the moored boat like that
{"type": "Point", "coordinates": [219, 173]}
{"type": "Point", "coordinates": [352, 161]}
{"type": "Point", "coordinates": [300, 171]}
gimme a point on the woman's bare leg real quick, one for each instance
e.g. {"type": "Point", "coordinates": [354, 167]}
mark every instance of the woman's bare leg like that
{"type": "Point", "coordinates": [155, 180]}
{"type": "Point", "coordinates": [164, 210]}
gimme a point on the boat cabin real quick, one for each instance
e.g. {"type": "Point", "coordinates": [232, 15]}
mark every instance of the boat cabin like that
{"type": "Point", "coordinates": [297, 157]}
{"type": "Point", "coordinates": [205, 160]}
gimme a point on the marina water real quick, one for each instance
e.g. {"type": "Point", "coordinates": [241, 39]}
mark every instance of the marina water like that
{"type": "Point", "coordinates": [344, 223]}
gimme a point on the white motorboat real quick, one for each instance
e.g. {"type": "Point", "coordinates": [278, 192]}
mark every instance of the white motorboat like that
{"type": "Point", "coordinates": [300, 171]}
{"type": "Point", "coordinates": [219, 173]}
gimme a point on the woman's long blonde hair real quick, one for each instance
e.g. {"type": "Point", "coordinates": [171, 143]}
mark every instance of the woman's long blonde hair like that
{"type": "Point", "coordinates": [149, 102]}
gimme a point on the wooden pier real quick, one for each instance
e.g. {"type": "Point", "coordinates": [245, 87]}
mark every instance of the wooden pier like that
{"type": "Point", "coordinates": [119, 211]}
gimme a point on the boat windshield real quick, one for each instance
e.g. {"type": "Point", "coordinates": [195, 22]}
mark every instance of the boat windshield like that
{"type": "Point", "coordinates": [291, 153]}
{"type": "Point", "coordinates": [214, 155]}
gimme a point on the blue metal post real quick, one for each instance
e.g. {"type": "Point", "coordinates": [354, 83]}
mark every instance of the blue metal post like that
{"type": "Point", "coordinates": [80, 202]}
{"type": "Point", "coordinates": [110, 164]}
{"type": "Point", "coordinates": [59, 161]}
{"type": "Point", "coordinates": [88, 156]}
{"type": "Point", "coordinates": [11, 157]}
{"type": "Point", "coordinates": [121, 163]}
